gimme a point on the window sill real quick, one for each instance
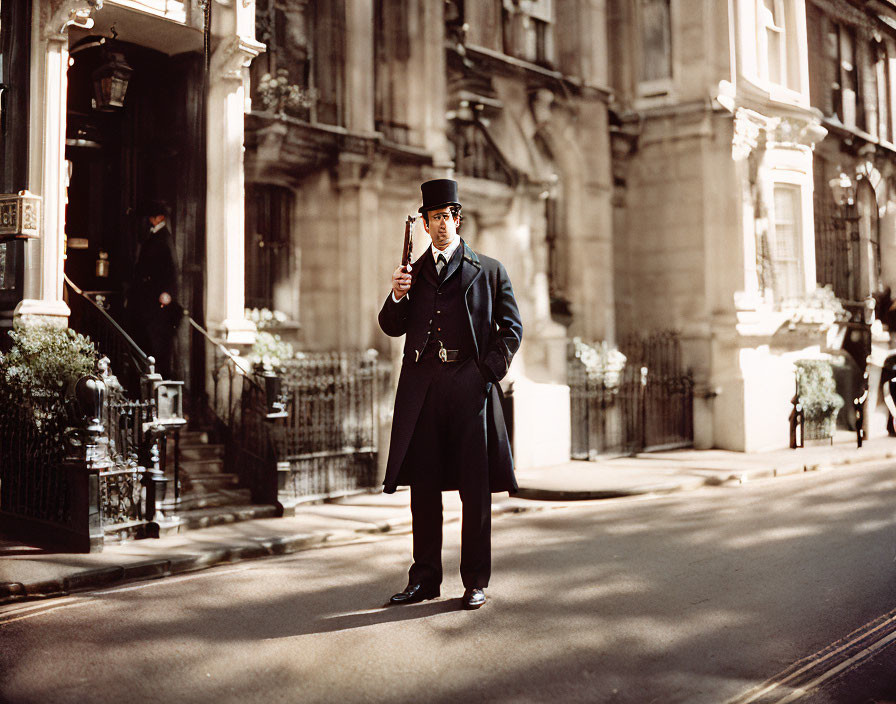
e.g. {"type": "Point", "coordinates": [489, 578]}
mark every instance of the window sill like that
{"type": "Point", "coordinates": [759, 91]}
{"type": "Point", "coordinates": [834, 126]}
{"type": "Point", "coordinates": [490, 55]}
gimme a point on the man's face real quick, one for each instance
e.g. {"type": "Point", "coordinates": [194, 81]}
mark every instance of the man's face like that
{"type": "Point", "coordinates": [442, 226]}
{"type": "Point", "coordinates": [156, 219]}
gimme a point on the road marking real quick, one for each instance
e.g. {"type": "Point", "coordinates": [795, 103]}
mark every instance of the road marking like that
{"type": "Point", "coordinates": [837, 657]}
{"type": "Point", "coordinates": [31, 607]}
{"type": "Point", "coordinates": [50, 607]}
{"type": "Point", "coordinates": [21, 613]}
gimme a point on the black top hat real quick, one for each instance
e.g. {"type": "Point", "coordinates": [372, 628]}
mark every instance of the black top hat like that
{"type": "Point", "coordinates": [155, 207]}
{"type": "Point", "coordinates": [438, 193]}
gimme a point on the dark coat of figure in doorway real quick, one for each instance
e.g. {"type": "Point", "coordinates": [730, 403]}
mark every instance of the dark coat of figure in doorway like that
{"type": "Point", "coordinates": [152, 301]}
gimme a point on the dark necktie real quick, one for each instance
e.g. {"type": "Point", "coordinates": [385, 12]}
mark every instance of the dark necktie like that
{"type": "Point", "coordinates": [440, 266]}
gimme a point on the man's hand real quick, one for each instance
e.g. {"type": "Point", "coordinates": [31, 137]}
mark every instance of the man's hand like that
{"type": "Point", "coordinates": [401, 281]}
{"type": "Point", "coordinates": [164, 299]}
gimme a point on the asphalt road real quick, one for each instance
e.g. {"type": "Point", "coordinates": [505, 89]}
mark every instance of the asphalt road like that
{"type": "Point", "coordinates": [778, 591]}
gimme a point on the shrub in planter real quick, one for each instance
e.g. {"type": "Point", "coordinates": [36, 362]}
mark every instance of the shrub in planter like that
{"type": "Point", "coordinates": [818, 396]}
{"type": "Point", "coordinates": [36, 372]}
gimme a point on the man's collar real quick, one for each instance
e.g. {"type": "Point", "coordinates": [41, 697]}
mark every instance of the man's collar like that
{"type": "Point", "coordinates": [155, 228]}
{"type": "Point", "coordinates": [448, 251]}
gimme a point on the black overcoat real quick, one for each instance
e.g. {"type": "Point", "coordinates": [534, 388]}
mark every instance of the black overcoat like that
{"type": "Point", "coordinates": [154, 273]}
{"type": "Point", "coordinates": [497, 332]}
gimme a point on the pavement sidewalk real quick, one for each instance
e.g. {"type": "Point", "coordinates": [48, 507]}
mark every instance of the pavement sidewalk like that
{"type": "Point", "coordinates": [27, 572]}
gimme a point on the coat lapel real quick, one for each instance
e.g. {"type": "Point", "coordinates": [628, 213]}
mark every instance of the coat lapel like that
{"type": "Point", "coordinates": [454, 263]}
{"type": "Point", "coordinates": [469, 273]}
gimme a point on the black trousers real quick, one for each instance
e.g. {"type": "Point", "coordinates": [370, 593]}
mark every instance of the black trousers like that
{"type": "Point", "coordinates": [449, 448]}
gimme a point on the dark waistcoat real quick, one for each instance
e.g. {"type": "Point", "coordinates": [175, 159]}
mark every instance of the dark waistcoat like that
{"type": "Point", "coordinates": [439, 307]}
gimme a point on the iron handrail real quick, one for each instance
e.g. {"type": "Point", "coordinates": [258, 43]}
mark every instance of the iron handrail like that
{"type": "Point", "coordinates": [141, 357]}
{"type": "Point", "coordinates": [226, 352]}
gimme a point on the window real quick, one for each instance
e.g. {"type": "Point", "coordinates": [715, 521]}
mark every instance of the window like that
{"type": "Point", "coordinates": [656, 41]}
{"type": "Point", "coordinates": [844, 75]}
{"type": "Point", "coordinates": [306, 47]}
{"type": "Point", "coordinates": [528, 30]}
{"type": "Point", "coordinates": [786, 245]}
{"type": "Point", "coordinates": [268, 237]}
{"type": "Point", "coordinates": [881, 70]}
{"type": "Point", "coordinates": [777, 25]}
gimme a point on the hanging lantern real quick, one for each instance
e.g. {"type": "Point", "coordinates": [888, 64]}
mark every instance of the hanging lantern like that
{"type": "Point", "coordinates": [110, 82]}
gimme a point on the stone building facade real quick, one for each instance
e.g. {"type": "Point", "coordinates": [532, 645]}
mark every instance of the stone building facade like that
{"type": "Point", "coordinates": [175, 135]}
{"type": "Point", "coordinates": [509, 98]}
{"type": "Point", "coordinates": [732, 123]}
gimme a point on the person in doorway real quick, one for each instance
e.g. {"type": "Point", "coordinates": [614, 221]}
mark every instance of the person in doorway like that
{"type": "Point", "coordinates": [155, 312]}
{"type": "Point", "coordinates": [462, 327]}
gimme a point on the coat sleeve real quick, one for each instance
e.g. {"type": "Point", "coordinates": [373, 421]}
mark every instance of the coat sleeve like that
{"type": "Point", "coordinates": [393, 317]}
{"type": "Point", "coordinates": [508, 329]}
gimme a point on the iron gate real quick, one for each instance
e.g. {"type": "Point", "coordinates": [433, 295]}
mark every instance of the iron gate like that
{"type": "Point", "coordinates": [648, 405]}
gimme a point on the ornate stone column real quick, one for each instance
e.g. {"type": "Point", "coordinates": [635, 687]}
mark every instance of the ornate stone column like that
{"type": "Point", "coordinates": [47, 173]}
{"type": "Point", "coordinates": [225, 220]}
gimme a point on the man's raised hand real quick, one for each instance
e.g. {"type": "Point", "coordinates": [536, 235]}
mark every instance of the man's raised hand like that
{"type": "Point", "coordinates": [401, 281]}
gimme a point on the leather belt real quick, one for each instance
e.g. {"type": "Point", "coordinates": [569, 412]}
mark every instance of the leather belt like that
{"type": "Point", "coordinates": [441, 353]}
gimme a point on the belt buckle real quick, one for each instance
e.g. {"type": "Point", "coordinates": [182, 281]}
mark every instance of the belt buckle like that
{"type": "Point", "coordinates": [443, 354]}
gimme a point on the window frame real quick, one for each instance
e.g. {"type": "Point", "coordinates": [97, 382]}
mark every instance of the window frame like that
{"type": "Point", "coordinates": [657, 88]}
{"type": "Point", "coordinates": [795, 193]}
{"type": "Point", "coordinates": [794, 62]}
{"type": "Point", "coordinates": [515, 32]}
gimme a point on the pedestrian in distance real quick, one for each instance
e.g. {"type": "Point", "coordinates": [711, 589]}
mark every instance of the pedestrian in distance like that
{"type": "Point", "coordinates": [462, 327]}
{"type": "Point", "coordinates": [154, 310]}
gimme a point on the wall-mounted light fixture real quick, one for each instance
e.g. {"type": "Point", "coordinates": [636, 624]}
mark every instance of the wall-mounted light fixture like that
{"type": "Point", "coordinates": [110, 81]}
{"type": "Point", "coordinates": [843, 189]}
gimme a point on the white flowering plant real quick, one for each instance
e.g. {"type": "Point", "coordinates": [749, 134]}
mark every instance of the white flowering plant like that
{"type": "Point", "coordinates": [278, 95]}
{"type": "Point", "coordinates": [601, 361]}
{"type": "Point", "coordinates": [265, 319]}
{"type": "Point", "coordinates": [271, 352]}
{"type": "Point", "coordinates": [821, 307]}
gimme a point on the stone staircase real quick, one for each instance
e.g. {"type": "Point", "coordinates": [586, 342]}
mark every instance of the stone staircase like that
{"type": "Point", "coordinates": [209, 496]}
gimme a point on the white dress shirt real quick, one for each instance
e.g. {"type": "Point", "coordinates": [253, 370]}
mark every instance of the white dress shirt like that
{"type": "Point", "coordinates": [448, 252]}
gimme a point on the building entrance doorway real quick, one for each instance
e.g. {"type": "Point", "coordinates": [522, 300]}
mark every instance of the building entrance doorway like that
{"type": "Point", "coordinates": [147, 149]}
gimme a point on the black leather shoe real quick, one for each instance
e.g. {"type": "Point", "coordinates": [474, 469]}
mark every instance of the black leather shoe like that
{"type": "Point", "coordinates": [414, 593]}
{"type": "Point", "coordinates": [473, 598]}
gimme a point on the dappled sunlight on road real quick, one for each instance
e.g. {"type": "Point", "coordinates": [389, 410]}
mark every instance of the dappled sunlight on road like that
{"type": "Point", "coordinates": [690, 598]}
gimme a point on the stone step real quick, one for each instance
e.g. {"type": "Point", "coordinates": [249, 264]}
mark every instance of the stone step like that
{"type": "Point", "coordinates": [224, 497]}
{"type": "Point", "coordinates": [193, 437]}
{"type": "Point", "coordinates": [207, 517]}
{"type": "Point", "coordinates": [205, 483]}
{"type": "Point", "coordinates": [196, 452]}
{"type": "Point", "coordinates": [190, 467]}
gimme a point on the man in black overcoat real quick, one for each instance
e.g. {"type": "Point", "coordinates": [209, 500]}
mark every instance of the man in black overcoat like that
{"type": "Point", "coordinates": [154, 310]}
{"type": "Point", "coordinates": [462, 327]}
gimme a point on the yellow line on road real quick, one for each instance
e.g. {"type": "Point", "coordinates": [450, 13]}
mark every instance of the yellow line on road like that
{"type": "Point", "coordinates": [818, 658]}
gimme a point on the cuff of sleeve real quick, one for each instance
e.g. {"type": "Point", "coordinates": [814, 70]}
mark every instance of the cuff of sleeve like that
{"type": "Point", "coordinates": [399, 300]}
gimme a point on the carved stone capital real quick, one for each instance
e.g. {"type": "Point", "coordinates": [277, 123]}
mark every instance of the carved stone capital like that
{"type": "Point", "coordinates": [796, 132]}
{"type": "Point", "coordinates": [59, 15]}
{"type": "Point", "coordinates": [749, 127]}
{"type": "Point", "coordinates": [233, 55]}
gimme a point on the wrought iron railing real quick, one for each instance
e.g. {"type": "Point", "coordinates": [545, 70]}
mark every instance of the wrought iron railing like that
{"type": "Point", "coordinates": [32, 485]}
{"type": "Point", "coordinates": [328, 444]}
{"type": "Point", "coordinates": [90, 318]}
{"type": "Point", "coordinates": [68, 487]}
{"type": "Point", "coordinates": [647, 406]}
{"type": "Point", "coordinates": [323, 443]}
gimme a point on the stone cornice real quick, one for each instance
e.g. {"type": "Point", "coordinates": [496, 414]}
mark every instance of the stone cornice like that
{"type": "Point", "coordinates": [59, 15]}
{"type": "Point", "coordinates": [232, 55]}
{"type": "Point", "coordinates": [753, 130]}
